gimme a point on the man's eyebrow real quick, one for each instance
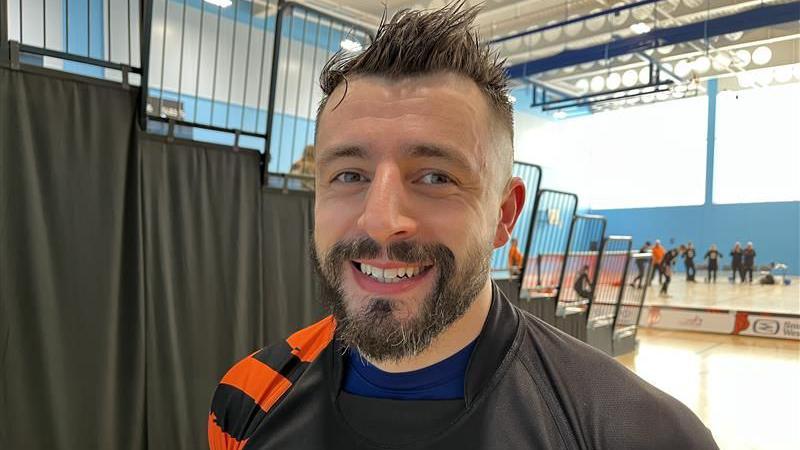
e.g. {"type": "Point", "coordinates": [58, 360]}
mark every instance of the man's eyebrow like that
{"type": "Point", "coordinates": [433, 151]}
{"type": "Point", "coordinates": [349, 151]}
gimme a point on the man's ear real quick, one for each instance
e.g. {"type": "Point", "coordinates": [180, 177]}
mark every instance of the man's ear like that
{"type": "Point", "coordinates": [510, 209]}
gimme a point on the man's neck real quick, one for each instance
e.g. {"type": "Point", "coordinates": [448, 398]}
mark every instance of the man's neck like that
{"type": "Point", "coordinates": [463, 331]}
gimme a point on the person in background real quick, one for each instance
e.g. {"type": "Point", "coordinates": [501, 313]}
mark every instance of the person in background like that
{"type": "Point", "coordinates": [688, 261]}
{"type": "Point", "coordinates": [658, 255]}
{"type": "Point", "coordinates": [713, 256]}
{"type": "Point", "coordinates": [582, 285]}
{"type": "Point", "coordinates": [666, 267]}
{"type": "Point", "coordinates": [305, 166]}
{"type": "Point", "coordinates": [514, 259]}
{"type": "Point", "coordinates": [749, 261]}
{"type": "Point", "coordinates": [641, 266]}
{"type": "Point", "coordinates": [736, 261]}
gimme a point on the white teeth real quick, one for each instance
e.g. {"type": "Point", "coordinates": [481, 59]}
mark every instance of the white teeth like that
{"type": "Point", "coordinates": [390, 275]}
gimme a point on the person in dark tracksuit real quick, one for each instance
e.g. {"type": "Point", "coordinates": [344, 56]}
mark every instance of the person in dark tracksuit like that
{"type": "Point", "coordinates": [736, 261]}
{"type": "Point", "coordinates": [666, 267]}
{"type": "Point", "coordinates": [713, 256]}
{"type": "Point", "coordinates": [641, 266]}
{"type": "Point", "coordinates": [583, 286]}
{"type": "Point", "coordinates": [688, 261]}
{"type": "Point", "coordinates": [749, 261]}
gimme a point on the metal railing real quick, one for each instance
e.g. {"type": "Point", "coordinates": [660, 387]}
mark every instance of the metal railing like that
{"type": "Point", "coordinates": [582, 259]}
{"type": "Point", "coordinates": [611, 279]}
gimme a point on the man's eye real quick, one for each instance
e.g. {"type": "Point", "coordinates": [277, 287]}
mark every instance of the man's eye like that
{"type": "Point", "coordinates": [435, 178]}
{"type": "Point", "coordinates": [350, 177]}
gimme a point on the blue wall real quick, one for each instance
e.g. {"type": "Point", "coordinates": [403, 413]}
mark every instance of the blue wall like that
{"type": "Point", "coordinates": [774, 228]}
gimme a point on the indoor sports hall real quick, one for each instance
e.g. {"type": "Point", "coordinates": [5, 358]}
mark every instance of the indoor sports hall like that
{"type": "Point", "coordinates": [157, 200]}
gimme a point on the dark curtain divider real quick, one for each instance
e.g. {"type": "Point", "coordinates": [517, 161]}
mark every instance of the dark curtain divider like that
{"type": "Point", "coordinates": [133, 271]}
{"type": "Point", "coordinates": [290, 283]}
{"type": "Point", "coordinates": [200, 207]}
{"type": "Point", "coordinates": [72, 361]}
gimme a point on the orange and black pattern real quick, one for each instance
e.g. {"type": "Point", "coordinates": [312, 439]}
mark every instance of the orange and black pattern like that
{"type": "Point", "coordinates": [255, 384]}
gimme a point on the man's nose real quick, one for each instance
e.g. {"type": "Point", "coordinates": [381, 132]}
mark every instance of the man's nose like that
{"type": "Point", "coordinates": [386, 217]}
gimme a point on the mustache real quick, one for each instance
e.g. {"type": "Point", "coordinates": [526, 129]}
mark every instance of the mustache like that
{"type": "Point", "coordinates": [403, 251]}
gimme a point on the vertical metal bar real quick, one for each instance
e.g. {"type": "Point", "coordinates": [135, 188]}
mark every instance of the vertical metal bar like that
{"type": "Point", "coordinates": [299, 87]}
{"type": "Point", "coordinates": [180, 59]}
{"type": "Point", "coordinates": [145, 26]}
{"type": "Point", "coordinates": [163, 58]}
{"type": "Point", "coordinates": [285, 82]}
{"type": "Point", "coordinates": [247, 68]}
{"type": "Point", "coordinates": [66, 26]}
{"type": "Point", "coordinates": [623, 284]}
{"type": "Point", "coordinates": [233, 59]}
{"type": "Point", "coordinates": [275, 43]}
{"type": "Point", "coordinates": [108, 29]}
{"type": "Point", "coordinates": [314, 74]}
{"type": "Point", "coordinates": [214, 77]}
{"type": "Point", "coordinates": [3, 26]}
{"type": "Point", "coordinates": [199, 60]}
{"type": "Point", "coordinates": [130, 49]}
{"type": "Point", "coordinates": [89, 28]}
{"type": "Point", "coordinates": [44, 23]}
{"type": "Point", "coordinates": [21, 40]}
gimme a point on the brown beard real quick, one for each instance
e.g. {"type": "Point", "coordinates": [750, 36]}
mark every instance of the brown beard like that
{"type": "Point", "coordinates": [374, 330]}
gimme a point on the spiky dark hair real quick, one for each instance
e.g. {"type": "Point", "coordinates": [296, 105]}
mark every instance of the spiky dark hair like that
{"type": "Point", "coordinates": [422, 42]}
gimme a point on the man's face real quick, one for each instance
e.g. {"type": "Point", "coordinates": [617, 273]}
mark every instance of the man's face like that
{"type": "Point", "coordinates": [407, 214]}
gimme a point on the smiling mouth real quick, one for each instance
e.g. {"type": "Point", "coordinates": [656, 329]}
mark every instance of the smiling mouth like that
{"type": "Point", "coordinates": [394, 275]}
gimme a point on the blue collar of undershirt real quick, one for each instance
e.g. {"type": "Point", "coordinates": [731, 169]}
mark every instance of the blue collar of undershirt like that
{"type": "Point", "coordinates": [441, 381]}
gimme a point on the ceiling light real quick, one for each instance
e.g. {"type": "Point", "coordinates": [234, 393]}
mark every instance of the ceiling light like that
{"type": "Point", "coordinates": [701, 64]}
{"type": "Point", "coordinates": [629, 78]}
{"type": "Point", "coordinates": [762, 55]}
{"type": "Point", "coordinates": [668, 6]}
{"type": "Point", "coordinates": [662, 96]}
{"type": "Point", "coordinates": [595, 23]}
{"type": "Point", "coordinates": [742, 58]}
{"type": "Point", "coordinates": [560, 115]}
{"type": "Point", "coordinates": [597, 83]}
{"type": "Point", "coordinates": [220, 3]}
{"type": "Point", "coordinates": [764, 77]}
{"type": "Point", "coordinates": [745, 79]}
{"type": "Point", "coordinates": [553, 33]}
{"type": "Point", "coordinates": [613, 81]}
{"type": "Point", "coordinates": [783, 74]}
{"type": "Point", "coordinates": [582, 85]}
{"type": "Point", "coordinates": [625, 58]}
{"type": "Point", "coordinates": [682, 68]}
{"type": "Point", "coordinates": [648, 98]}
{"type": "Point", "coordinates": [640, 28]}
{"type": "Point", "coordinates": [569, 69]}
{"type": "Point", "coordinates": [586, 65]}
{"type": "Point", "coordinates": [735, 36]}
{"type": "Point", "coordinates": [620, 17]}
{"type": "Point", "coordinates": [678, 94]}
{"type": "Point", "coordinates": [644, 75]}
{"type": "Point", "coordinates": [350, 45]}
{"type": "Point", "coordinates": [573, 29]}
{"type": "Point", "coordinates": [666, 49]}
{"type": "Point", "coordinates": [632, 101]}
{"type": "Point", "coordinates": [644, 12]}
{"type": "Point", "coordinates": [721, 61]}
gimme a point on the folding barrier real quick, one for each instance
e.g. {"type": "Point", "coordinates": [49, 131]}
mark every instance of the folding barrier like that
{"type": "Point", "coordinates": [507, 277]}
{"type": "Point", "coordinates": [626, 321]}
{"type": "Point", "coordinates": [308, 38]}
{"type": "Point", "coordinates": [579, 273]}
{"type": "Point", "coordinates": [544, 253]}
{"type": "Point", "coordinates": [609, 286]}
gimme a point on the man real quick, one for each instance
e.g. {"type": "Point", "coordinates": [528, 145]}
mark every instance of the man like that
{"type": "Point", "coordinates": [666, 267]}
{"type": "Point", "coordinates": [748, 262]}
{"type": "Point", "coordinates": [736, 262]}
{"type": "Point", "coordinates": [514, 259]}
{"type": "Point", "coordinates": [688, 261]}
{"type": "Point", "coordinates": [713, 256]}
{"type": "Point", "coordinates": [641, 266]}
{"type": "Point", "coordinates": [414, 191]}
{"type": "Point", "coordinates": [658, 255]}
{"type": "Point", "coordinates": [582, 285]}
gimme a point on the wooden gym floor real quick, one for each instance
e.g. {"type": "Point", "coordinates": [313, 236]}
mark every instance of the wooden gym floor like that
{"type": "Point", "coordinates": [725, 295]}
{"type": "Point", "coordinates": [745, 389]}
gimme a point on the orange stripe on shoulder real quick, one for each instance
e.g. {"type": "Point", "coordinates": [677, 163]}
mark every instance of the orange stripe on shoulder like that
{"type": "Point", "coordinates": [220, 440]}
{"type": "Point", "coordinates": [259, 381]}
{"type": "Point", "coordinates": [309, 342]}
